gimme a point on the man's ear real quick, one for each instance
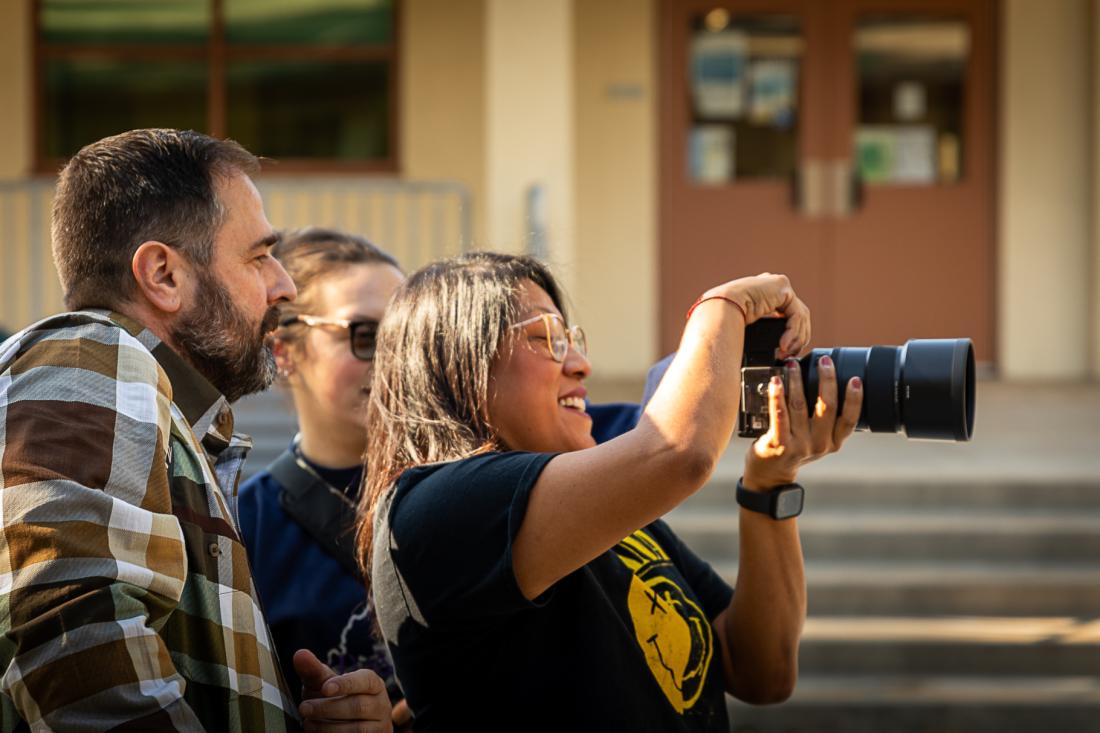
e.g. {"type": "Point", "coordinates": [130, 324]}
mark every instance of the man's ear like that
{"type": "Point", "coordinates": [162, 274]}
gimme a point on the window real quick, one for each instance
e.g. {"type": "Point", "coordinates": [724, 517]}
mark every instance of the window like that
{"type": "Point", "coordinates": [744, 73]}
{"type": "Point", "coordinates": [311, 83]}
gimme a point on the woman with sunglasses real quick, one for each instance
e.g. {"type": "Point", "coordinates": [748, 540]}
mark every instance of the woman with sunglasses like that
{"type": "Point", "coordinates": [297, 516]}
{"type": "Point", "coordinates": [510, 553]}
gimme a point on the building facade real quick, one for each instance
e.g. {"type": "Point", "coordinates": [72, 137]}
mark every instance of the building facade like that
{"type": "Point", "coordinates": [622, 139]}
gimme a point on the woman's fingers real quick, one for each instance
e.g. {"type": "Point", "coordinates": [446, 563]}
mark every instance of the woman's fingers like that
{"type": "Point", "coordinates": [823, 428]}
{"type": "Point", "coordinates": [849, 416]}
{"type": "Point", "coordinates": [778, 412]}
{"type": "Point", "coordinates": [776, 441]}
{"type": "Point", "coordinates": [796, 399]}
{"type": "Point", "coordinates": [796, 336]}
{"type": "Point", "coordinates": [773, 443]}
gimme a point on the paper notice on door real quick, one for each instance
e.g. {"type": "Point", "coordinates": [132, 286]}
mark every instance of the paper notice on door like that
{"type": "Point", "coordinates": [773, 84]}
{"type": "Point", "coordinates": [718, 73]}
{"type": "Point", "coordinates": [897, 153]}
{"type": "Point", "coordinates": [875, 153]}
{"type": "Point", "coordinates": [712, 154]}
{"type": "Point", "coordinates": [915, 154]}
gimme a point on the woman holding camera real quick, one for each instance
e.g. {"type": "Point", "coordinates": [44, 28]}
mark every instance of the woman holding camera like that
{"type": "Point", "coordinates": [510, 552]}
{"type": "Point", "coordinates": [297, 515]}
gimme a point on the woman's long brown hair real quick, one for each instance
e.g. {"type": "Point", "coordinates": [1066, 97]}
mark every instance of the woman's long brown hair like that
{"type": "Point", "coordinates": [436, 346]}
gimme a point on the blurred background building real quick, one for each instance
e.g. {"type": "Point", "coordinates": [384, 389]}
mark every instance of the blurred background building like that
{"type": "Point", "coordinates": [920, 168]}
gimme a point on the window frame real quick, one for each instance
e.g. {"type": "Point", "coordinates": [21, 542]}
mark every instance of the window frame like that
{"type": "Point", "coordinates": [218, 53]}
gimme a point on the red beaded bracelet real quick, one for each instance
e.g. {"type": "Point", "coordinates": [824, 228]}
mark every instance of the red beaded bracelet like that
{"type": "Point", "coordinates": [705, 298]}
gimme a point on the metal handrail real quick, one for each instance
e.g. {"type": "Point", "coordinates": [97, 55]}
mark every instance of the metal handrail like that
{"type": "Point", "coordinates": [416, 221]}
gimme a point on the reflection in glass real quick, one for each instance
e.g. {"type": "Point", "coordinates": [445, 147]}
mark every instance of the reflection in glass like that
{"type": "Point", "coordinates": [315, 22]}
{"type": "Point", "coordinates": [744, 83]}
{"type": "Point", "coordinates": [86, 100]}
{"type": "Point", "coordinates": [305, 109]}
{"type": "Point", "coordinates": [125, 21]}
{"type": "Point", "coordinates": [910, 76]}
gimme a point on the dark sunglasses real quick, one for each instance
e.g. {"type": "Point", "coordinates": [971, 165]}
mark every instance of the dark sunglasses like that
{"type": "Point", "coordinates": [363, 334]}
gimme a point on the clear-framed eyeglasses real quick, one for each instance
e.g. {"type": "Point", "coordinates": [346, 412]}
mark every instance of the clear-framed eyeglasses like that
{"type": "Point", "coordinates": [559, 337]}
{"type": "Point", "coordinates": [363, 334]}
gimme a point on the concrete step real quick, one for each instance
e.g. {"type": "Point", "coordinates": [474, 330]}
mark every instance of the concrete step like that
{"type": "Point", "coordinates": [987, 646]}
{"type": "Point", "coordinates": [940, 704]}
{"type": "Point", "coordinates": [868, 588]}
{"type": "Point", "coordinates": [928, 534]}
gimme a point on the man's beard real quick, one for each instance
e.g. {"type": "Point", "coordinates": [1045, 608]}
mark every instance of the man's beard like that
{"type": "Point", "coordinates": [217, 339]}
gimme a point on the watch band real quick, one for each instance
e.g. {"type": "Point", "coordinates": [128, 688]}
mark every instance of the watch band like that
{"type": "Point", "coordinates": [782, 502]}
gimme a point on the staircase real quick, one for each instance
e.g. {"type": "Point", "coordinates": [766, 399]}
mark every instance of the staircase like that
{"type": "Point", "coordinates": [952, 588]}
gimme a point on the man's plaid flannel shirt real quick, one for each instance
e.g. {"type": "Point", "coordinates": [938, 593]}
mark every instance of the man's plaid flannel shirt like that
{"type": "Point", "coordinates": [126, 599]}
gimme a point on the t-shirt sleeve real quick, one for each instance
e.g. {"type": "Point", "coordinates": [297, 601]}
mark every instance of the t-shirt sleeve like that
{"type": "Point", "coordinates": [713, 592]}
{"type": "Point", "coordinates": [452, 528]}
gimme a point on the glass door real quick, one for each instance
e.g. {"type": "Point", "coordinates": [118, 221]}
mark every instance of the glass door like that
{"type": "Point", "coordinates": [848, 144]}
{"type": "Point", "coordinates": [742, 116]}
{"type": "Point", "coordinates": [911, 246]}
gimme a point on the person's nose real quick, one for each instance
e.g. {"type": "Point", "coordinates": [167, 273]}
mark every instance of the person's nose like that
{"type": "Point", "coordinates": [280, 286]}
{"type": "Point", "coordinates": [576, 364]}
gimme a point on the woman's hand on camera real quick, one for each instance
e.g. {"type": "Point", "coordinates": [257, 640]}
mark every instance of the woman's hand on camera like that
{"type": "Point", "coordinates": [767, 295]}
{"type": "Point", "coordinates": [796, 437]}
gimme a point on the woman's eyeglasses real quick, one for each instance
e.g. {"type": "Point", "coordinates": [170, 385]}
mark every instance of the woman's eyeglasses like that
{"type": "Point", "coordinates": [363, 334]}
{"type": "Point", "coordinates": [559, 337]}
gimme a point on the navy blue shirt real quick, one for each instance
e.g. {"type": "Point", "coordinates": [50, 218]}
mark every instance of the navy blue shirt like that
{"type": "Point", "coordinates": [310, 600]}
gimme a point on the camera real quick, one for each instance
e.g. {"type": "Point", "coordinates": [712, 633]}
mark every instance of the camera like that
{"type": "Point", "coordinates": [924, 388]}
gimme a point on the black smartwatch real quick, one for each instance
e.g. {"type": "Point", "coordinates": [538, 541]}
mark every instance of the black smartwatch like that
{"type": "Point", "coordinates": [782, 502]}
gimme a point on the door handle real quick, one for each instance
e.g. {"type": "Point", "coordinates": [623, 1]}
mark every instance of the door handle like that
{"type": "Point", "coordinates": [855, 189]}
{"type": "Point", "coordinates": [846, 188]}
{"type": "Point", "coordinates": [808, 188]}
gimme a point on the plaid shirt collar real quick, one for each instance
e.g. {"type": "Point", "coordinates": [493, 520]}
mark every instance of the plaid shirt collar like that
{"type": "Point", "coordinates": [205, 408]}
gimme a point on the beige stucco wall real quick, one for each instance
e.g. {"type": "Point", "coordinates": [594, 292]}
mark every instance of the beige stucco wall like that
{"type": "Point", "coordinates": [1046, 251]}
{"type": "Point", "coordinates": [615, 182]}
{"type": "Point", "coordinates": [499, 94]}
{"type": "Point", "coordinates": [503, 94]}
{"type": "Point", "coordinates": [1094, 283]}
{"type": "Point", "coordinates": [529, 88]}
{"type": "Point", "coordinates": [15, 89]}
{"type": "Point", "coordinates": [443, 96]}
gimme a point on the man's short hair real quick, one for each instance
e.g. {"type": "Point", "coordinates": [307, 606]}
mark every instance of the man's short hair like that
{"type": "Point", "coordinates": [140, 186]}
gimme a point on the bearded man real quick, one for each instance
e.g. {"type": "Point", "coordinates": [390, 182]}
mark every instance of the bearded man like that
{"type": "Point", "coordinates": [126, 596]}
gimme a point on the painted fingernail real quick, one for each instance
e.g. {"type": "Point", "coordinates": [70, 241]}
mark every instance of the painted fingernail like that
{"type": "Point", "coordinates": [792, 364]}
{"type": "Point", "coordinates": [825, 362]}
{"type": "Point", "coordinates": [857, 383]}
{"type": "Point", "coordinates": [777, 381]}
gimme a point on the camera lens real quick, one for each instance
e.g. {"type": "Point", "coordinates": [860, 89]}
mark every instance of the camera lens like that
{"type": "Point", "coordinates": [925, 388]}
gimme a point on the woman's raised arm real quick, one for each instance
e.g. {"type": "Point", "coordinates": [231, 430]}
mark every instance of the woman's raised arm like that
{"type": "Point", "coordinates": [586, 501]}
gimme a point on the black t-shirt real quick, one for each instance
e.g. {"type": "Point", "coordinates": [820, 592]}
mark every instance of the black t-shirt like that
{"type": "Point", "coordinates": [623, 643]}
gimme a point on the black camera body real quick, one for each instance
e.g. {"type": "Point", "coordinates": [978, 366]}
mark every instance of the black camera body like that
{"type": "Point", "coordinates": [925, 388]}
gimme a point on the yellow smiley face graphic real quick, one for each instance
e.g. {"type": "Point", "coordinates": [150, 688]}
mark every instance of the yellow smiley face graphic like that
{"type": "Point", "coordinates": [671, 630]}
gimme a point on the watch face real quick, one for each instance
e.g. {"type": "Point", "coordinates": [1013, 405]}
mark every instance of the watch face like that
{"type": "Point", "coordinates": [789, 503]}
